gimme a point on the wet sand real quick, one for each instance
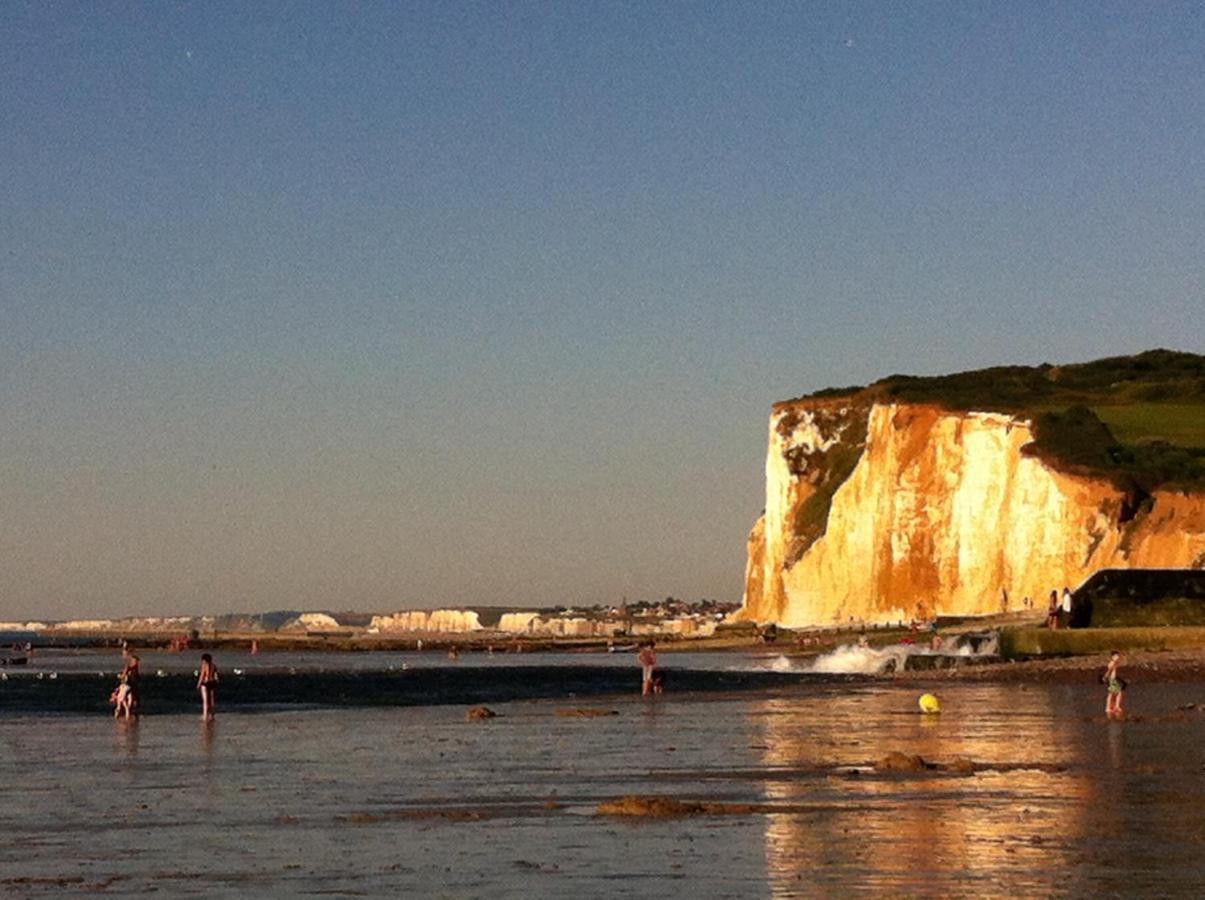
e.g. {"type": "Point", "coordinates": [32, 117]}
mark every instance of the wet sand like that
{"type": "Point", "coordinates": [1139, 667]}
{"type": "Point", "coordinates": [345, 774]}
{"type": "Point", "coordinates": [775, 792]}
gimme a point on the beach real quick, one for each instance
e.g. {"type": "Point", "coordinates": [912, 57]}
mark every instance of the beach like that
{"type": "Point", "coordinates": [756, 790]}
{"type": "Point", "coordinates": [1144, 666]}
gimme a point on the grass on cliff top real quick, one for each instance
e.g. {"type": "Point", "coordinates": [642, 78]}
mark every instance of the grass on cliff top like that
{"type": "Point", "coordinates": [1153, 377]}
{"type": "Point", "coordinates": [1078, 440]}
{"type": "Point", "coordinates": [1137, 420]}
{"type": "Point", "coordinates": [1182, 424]}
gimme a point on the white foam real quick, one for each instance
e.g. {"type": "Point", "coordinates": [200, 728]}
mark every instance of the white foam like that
{"type": "Point", "coordinates": [852, 659]}
{"type": "Point", "coordinates": [855, 659]}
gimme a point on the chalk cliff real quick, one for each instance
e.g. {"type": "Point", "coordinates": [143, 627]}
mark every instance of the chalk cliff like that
{"type": "Point", "coordinates": [452, 621]}
{"type": "Point", "coordinates": [882, 511]}
{"type": "Point", "coordinates": [545, 625]}
{"type": "Point", "coordinates": [312, 621]}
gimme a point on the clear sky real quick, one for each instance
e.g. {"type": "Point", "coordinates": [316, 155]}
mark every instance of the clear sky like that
{"type": "Point", "coordinates": [382, 305]}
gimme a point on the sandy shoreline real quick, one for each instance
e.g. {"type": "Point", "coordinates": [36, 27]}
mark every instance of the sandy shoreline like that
{"type": "Point", "coordinates": [1139, 667]}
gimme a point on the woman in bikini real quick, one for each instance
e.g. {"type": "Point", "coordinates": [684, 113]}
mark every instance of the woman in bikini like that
{"type": "Point", "coordinates": [207, 684]}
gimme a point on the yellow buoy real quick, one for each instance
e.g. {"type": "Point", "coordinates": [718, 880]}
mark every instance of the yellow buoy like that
{"type": "Point", "coordinates": [929, 704]}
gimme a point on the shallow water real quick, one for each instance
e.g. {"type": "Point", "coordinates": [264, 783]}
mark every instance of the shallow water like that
{"type": "Point", "coordinates": [109, 661]}
{"type": "Point", "coordinates": [420, 801]}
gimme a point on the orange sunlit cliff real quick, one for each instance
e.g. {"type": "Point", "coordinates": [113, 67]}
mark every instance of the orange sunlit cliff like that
{"type": "Point", "coordinates": [884, 504]}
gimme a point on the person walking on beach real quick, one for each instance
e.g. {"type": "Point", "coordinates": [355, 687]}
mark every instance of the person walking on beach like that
{"type": "Point", "coordinates": [648, 662]}
{"type": "Point", "coordinates": [207, 684]}
{"type": "Point", "coordinates": [1065, 608]}
{"type": "Point", "coordinates": [1115, 687]}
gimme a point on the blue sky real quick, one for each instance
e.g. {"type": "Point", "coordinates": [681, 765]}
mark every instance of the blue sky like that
{"type": "Point", "coordinates": [320, 305]}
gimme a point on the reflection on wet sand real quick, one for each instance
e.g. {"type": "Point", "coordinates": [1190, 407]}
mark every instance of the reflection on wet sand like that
{"type": "Point", "coordinates": [208, 729]}
{"type": "Point", "coordinates": [931, 830]}
{"type": "Point", "coordinates": [768, 795]}
{"type": "Point", "coordinates": [126, 735]}
{"type": "Point", "coordinates": [1116, 744]}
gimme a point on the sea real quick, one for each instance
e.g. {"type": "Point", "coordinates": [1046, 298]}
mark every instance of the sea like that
{"type": "Point", "coordinates": [1025, 790]}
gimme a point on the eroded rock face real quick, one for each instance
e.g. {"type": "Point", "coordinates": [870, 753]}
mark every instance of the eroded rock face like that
{"type": "Point", "coordinates": [886, 512]}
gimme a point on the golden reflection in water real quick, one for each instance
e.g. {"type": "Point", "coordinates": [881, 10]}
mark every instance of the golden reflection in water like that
{"type": "Point", "coordinates": [1116, 742]}
{"type": "Point", "coordinates": [909, 832]}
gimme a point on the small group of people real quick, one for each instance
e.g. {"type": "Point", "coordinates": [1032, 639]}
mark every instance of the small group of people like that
{"type": "Point", "coordinates": [1058, 612]}
{"type": "Point", "coordinates": [18, 655]}
{"type": "Point", "coordinates": [126, 696]}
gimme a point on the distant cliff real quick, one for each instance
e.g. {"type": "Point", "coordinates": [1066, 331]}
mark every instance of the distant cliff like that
{"type": "Point", "coordinates": [451, 621]}
{"type": "Point", "coordinates": [535, 623]}
{"type": "Point", "coordinates": [903, 499]}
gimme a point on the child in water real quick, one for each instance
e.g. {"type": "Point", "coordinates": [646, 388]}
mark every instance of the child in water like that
{"type": "Point", "coordinates": [658, 681]}
{"type": "Point", "coordinates": [122, 698]}
{"type": "Point", "coordinates": [207, 684]}
{"type": "Point", "coordinates": [648, 662]}
{"type": "Point", "coordinates": [1115, 687]}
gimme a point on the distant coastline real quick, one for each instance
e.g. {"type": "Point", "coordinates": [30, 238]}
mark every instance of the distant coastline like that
{"type": "Point", "coordinates": [366, 630]}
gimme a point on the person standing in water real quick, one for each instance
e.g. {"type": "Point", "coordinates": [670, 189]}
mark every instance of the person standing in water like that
{"type": "Point", "coordinates": [207, 684]}
{"type": "Point", "coordinates": [122, 702]}
{"type": "Point", "coordinates": [130, 678]}
{"type": "Point", "coordinates": [648, 662]}
{"type": "Point", "coordinates": [1115, 687]}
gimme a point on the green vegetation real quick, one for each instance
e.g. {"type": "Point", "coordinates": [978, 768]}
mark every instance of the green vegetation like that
{"type": "Point", "coordinates": [1154, 376]}
{"type": "Point", "coordinates": [1077, 439]}
{"type": "Point", "coordinates": [828, 470]}
{"type": "Point", "coordinates": [1122, 612]}
{"type": "Point", "coordinates": [1018, 643]}
{"type": "Point", "coordinates": [1137, 420]}
{"type": "Point", "coordinates": [1146, 423]}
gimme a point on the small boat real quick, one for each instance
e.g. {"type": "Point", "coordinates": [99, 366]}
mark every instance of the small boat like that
{"type": "Point", "coordinates": [13, 660]}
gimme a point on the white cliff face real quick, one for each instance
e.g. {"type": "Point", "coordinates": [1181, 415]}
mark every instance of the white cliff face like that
{"type": "Point", "coordinates": [519, 622]}
{"type": "Point", "coordinates": [943, 514]}
{"type": "Point", "coordinates": [136, 624]}
{"type": "Point", "coordinates": [542, 625]}
{"type": "Point", "coordinates": [87, 625]}
{"type": "Point", "coordinates": [454, 621]}
{"type": "Point", "coordinates": [799, 440]}
{"type": "Point", "coordinates": [311, 621]}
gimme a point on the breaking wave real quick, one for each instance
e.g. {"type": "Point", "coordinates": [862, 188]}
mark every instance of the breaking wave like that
{"type": "Point", "coordinates": [855, 659]}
